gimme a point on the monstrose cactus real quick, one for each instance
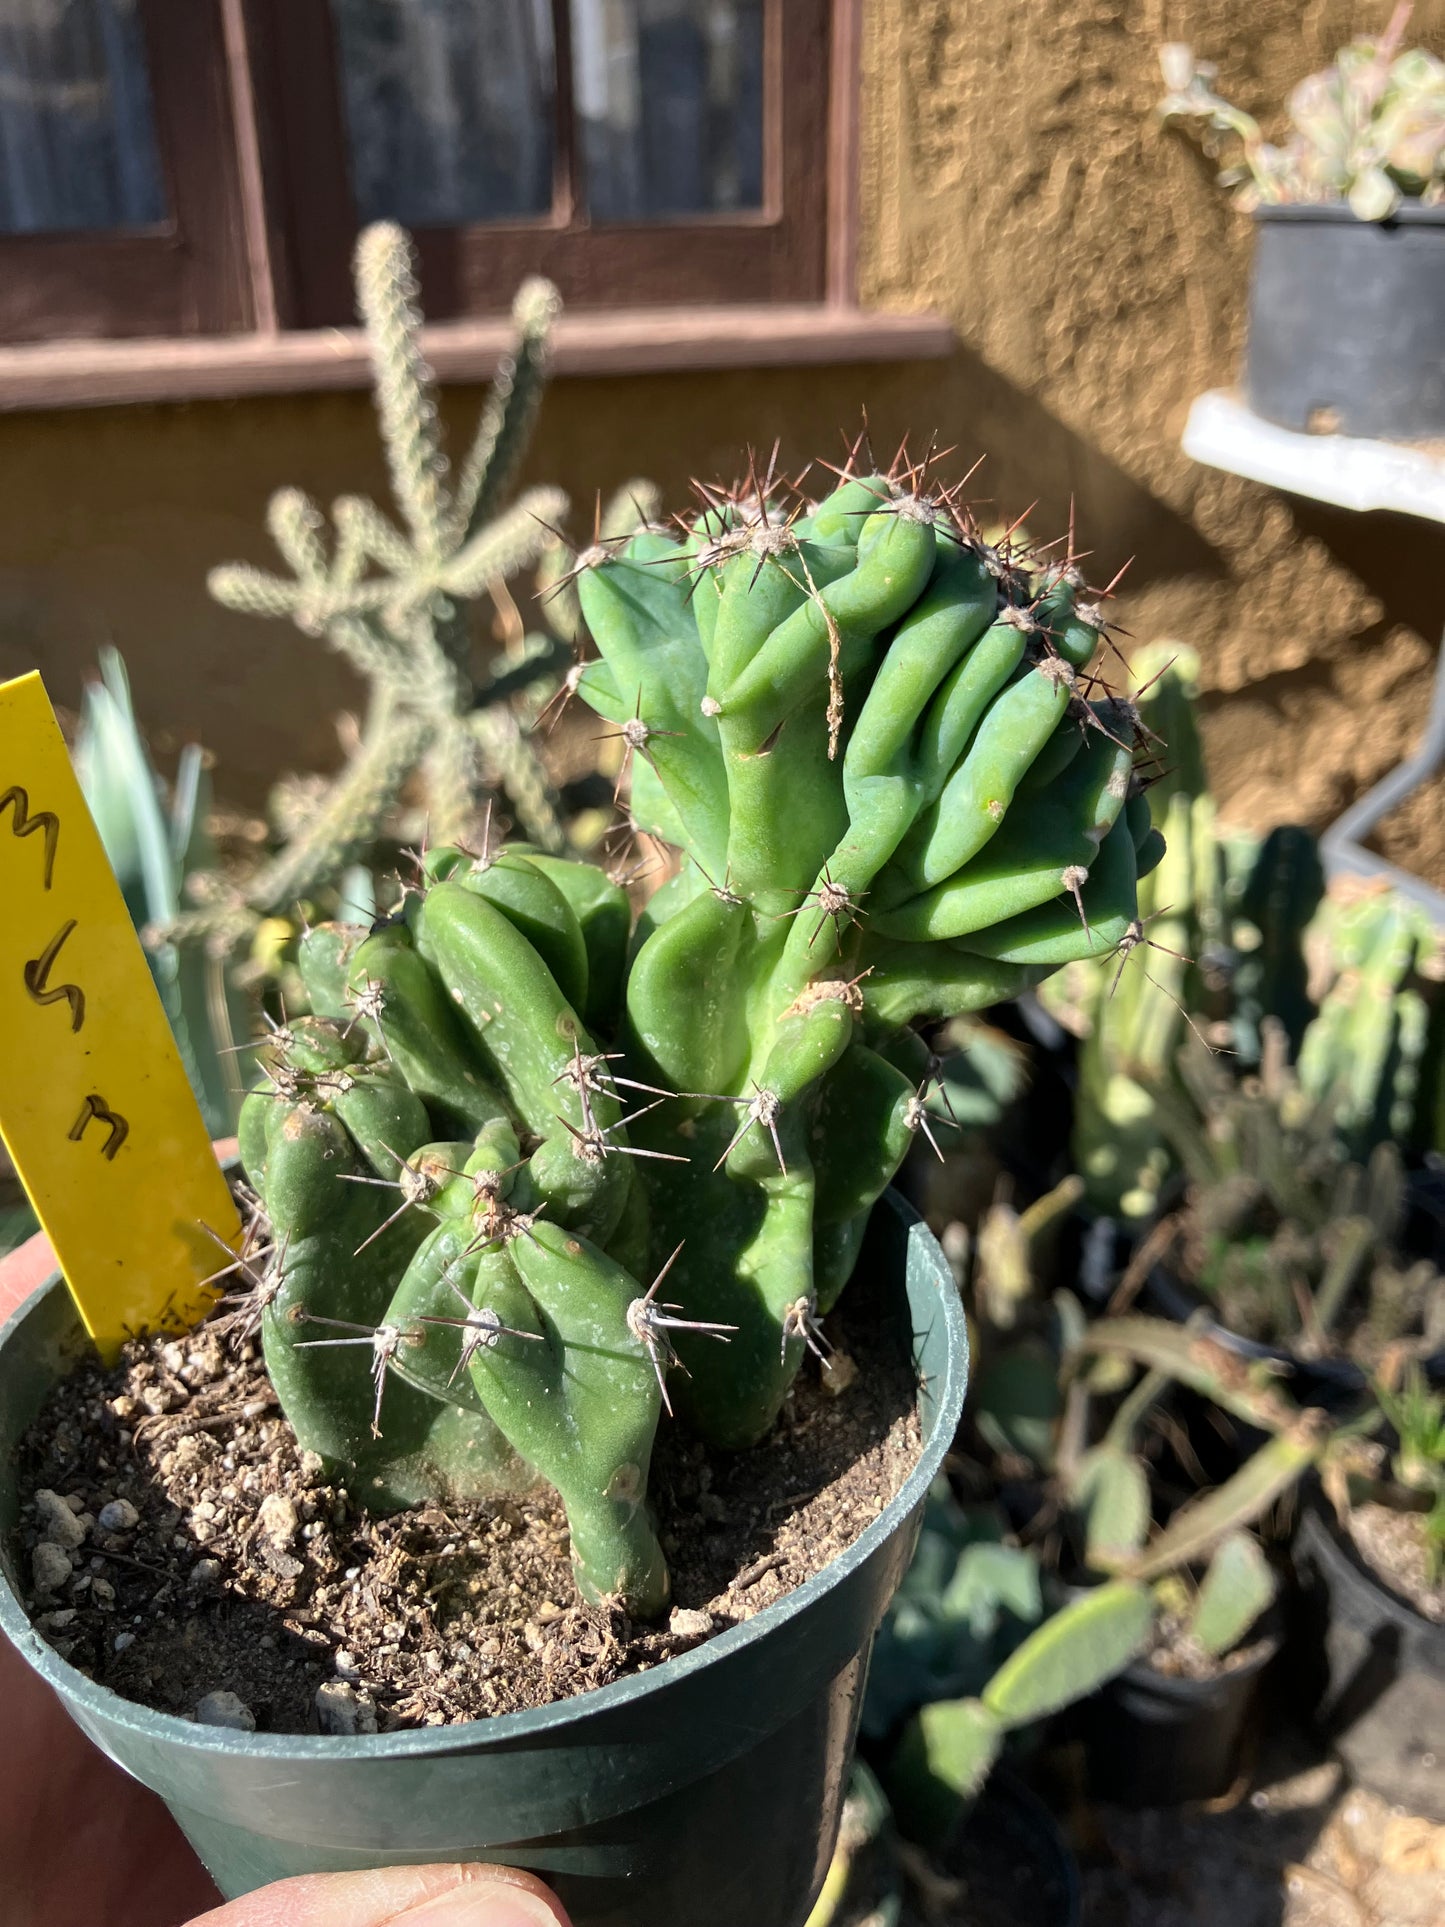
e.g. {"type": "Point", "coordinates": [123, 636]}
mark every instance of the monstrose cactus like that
{"type": "Point", "coordinates": [532, 1174]}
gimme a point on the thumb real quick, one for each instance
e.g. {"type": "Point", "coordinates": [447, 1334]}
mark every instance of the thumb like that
{"type": "Point", "coordinates": [460, 1896]}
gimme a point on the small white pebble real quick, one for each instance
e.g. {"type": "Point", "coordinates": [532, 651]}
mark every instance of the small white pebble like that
{"type": "Point", "coordinates": [226, 1709]}
{"type": "Point", "coordinates": [49, 1566]}
{"type": "Point", "coordinates": [345, 1664]}
{"type": "Point", "coordinates": [117, 1515]}
{"type": "Point", "coordinates": [206, 1572]}
{"type": "Point", "coordinates": [122, 1640]}
{"type": "Point", "coordinates": [684, 1624]}
{"type": "Point", "coordinates": [342, 1711]}
{"type": "Point", "coordinates": [838, 1373]}
{"type": "Point", "coordinates": [276, 1519]}
{"type": "Point", "coordinates": [173, 1357]}
{"type": "Point", "coordinates": [58, 1523]}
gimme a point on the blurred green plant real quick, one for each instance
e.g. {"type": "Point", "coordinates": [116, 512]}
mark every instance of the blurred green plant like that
{"type": "Point", "coordinates": [1369, 130]}
{"type": "Point", "coordinates": [949, 1747]}
{"type": "Point", "coordinates": [1355, 1462]}
{"type": "Point", "coordinates": [1416, 1411]}
{"type": "Point", "coordinates": [1289, 1238]}
{"type": "Point", "coordinates": [394, 601]}
{"type": "Point", "coordinates": [966, 1601]}
{"type": "Point", "coordinates": [1219, 945]}
{"type": "Point", "coordinates": [153, 846]}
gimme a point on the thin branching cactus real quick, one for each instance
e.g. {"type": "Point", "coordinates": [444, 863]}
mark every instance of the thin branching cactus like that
{"type": "Point", "coordinates": [533, 1175]}
{"type": "Point", "coordinates": [393, 601]}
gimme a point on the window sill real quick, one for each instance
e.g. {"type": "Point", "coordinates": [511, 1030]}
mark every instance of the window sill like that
{"type": "Point", "coordinates": [91, 374]}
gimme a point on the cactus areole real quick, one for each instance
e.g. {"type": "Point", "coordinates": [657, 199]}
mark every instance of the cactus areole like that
{"type": "Point", "coordinates": [535, 1176]}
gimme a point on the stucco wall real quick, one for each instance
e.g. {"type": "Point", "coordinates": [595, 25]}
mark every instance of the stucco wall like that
{"type": "Point", "coordinates": [1012, 178]}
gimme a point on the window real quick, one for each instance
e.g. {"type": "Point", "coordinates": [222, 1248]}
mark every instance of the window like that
{"type": "Point", "coordinates": [640, 152]}
{"type": "Point", "coordinates": [119, 205]}
{"type": "Point", "coordinates": [194, 167]}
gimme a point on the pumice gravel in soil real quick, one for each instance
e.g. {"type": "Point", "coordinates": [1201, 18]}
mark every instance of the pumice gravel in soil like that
{"type": "Point", "coordinates": [183, 1551]}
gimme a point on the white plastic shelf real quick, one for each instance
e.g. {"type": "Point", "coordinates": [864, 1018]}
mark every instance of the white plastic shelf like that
{"type": "Point", "coordinates": [1346, 470]}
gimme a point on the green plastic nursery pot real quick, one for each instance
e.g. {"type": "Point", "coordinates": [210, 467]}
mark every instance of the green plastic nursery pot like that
{"type": "Point", "coordinates": [707, 1791]}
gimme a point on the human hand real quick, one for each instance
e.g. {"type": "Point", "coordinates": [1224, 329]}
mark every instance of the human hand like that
{"type": "Point", "coordinates": [397, 1897]}
{"type": "Point", "coordinates": [81, 1842]}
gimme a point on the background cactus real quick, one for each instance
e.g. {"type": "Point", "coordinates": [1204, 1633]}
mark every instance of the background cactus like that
{"type": "Point", "coordinates": [1371, 1054]}
{"type": "Point", "coordinates": [1288, 1237]}
{"type": "Point", "coordinates": [393, 600]}
{"type": "Point", "coordinates": [1369, 130]}
{"type": "Point", "coordinates": [850, 699]}
{"type": "Point", "coordinates": [1134, 1015]}
{"type": "Point", "coordinates": [1223, 920]}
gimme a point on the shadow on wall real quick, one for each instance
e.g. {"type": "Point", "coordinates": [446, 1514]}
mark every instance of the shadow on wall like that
{"type": "Point", "coordinates": [692, 428]}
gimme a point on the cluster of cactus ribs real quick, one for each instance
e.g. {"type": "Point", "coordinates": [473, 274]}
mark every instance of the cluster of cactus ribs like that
{"type": "Point", "coordinates": [534, 1169]}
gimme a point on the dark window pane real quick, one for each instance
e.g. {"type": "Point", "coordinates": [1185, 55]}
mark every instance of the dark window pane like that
{"type": "Point", "coordinates": [670, 106]}
{"type": "Point", "coordinates": [449, 107]}
{"type": "Point", "coordinates": [77, 139]}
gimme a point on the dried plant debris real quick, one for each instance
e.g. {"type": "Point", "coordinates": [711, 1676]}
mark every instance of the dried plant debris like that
{"type": "Point", "coordinates": [182, 1550]}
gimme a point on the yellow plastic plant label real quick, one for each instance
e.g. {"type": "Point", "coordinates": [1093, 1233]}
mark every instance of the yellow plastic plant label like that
{"type": "Point", "coordinates": [95, 1106]}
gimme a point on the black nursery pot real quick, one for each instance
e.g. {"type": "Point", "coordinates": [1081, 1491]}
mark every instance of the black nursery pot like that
{"type": "Point", "coordinates": [1336, 1385]}
{"type": "Point", "coordinates": [1347, 321]}
{"type": "Point", "coordinates": [1379, 1668]}
{"type": "Point", "coordinates": [1151, 1740]}
{"type": "Point", "coordinates": [1011, 1847]}
{"type": "Point", "coordinates": [706, 1791]}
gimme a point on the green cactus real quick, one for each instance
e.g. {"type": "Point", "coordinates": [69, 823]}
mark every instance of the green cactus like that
{"type": "Point", "coordinates": [1367, 1054]}
{"type": "Point", "coordinates": [1221, 923]}
{"type": "Point", "coordinates": [861, 727]}
{"type": "Point", "coordinates": [1133, 1014]}
{"type": "Point", "coordinates": [393, 601]}
{"type": "Point", "coordinates": [1288, 1236]}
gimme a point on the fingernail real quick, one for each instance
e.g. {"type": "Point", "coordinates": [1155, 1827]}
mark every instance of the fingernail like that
{"type": "Point", "coordinates": [482, 1903]}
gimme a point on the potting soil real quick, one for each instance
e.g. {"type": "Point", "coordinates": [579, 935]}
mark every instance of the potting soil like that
{"type": "Point", "coordinates": [1395, 1545]}
{"type": "Point", "coordinates": [210, 1555]}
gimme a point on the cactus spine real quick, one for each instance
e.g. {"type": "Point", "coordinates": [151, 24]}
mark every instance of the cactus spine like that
{"type": "Point", "coordinates": [863, 728]}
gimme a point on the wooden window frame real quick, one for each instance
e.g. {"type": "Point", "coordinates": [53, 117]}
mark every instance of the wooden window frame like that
{"type": "Point", "coordinates": [775, 253]}
{"type": "Point", "coordinates": [183, 276]}
{"type": "Point", "coordinates": [248, 289]}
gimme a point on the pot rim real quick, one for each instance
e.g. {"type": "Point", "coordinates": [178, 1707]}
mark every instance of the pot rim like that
{"type": "Point", "coordinates": [1180, 1301]}
{"type": "Point", "coordinates": [1410, 213]}
{"type": "Point", "coordinates": [1318, 1520]}
{"type": "Point", "coordinates": [103, 1703]}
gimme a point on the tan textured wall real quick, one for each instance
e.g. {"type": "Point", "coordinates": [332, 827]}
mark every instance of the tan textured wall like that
{"type": "Point", "coordinates": [1012, 178]}
{"type": "Point", "coordinates": [1096, 276]}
